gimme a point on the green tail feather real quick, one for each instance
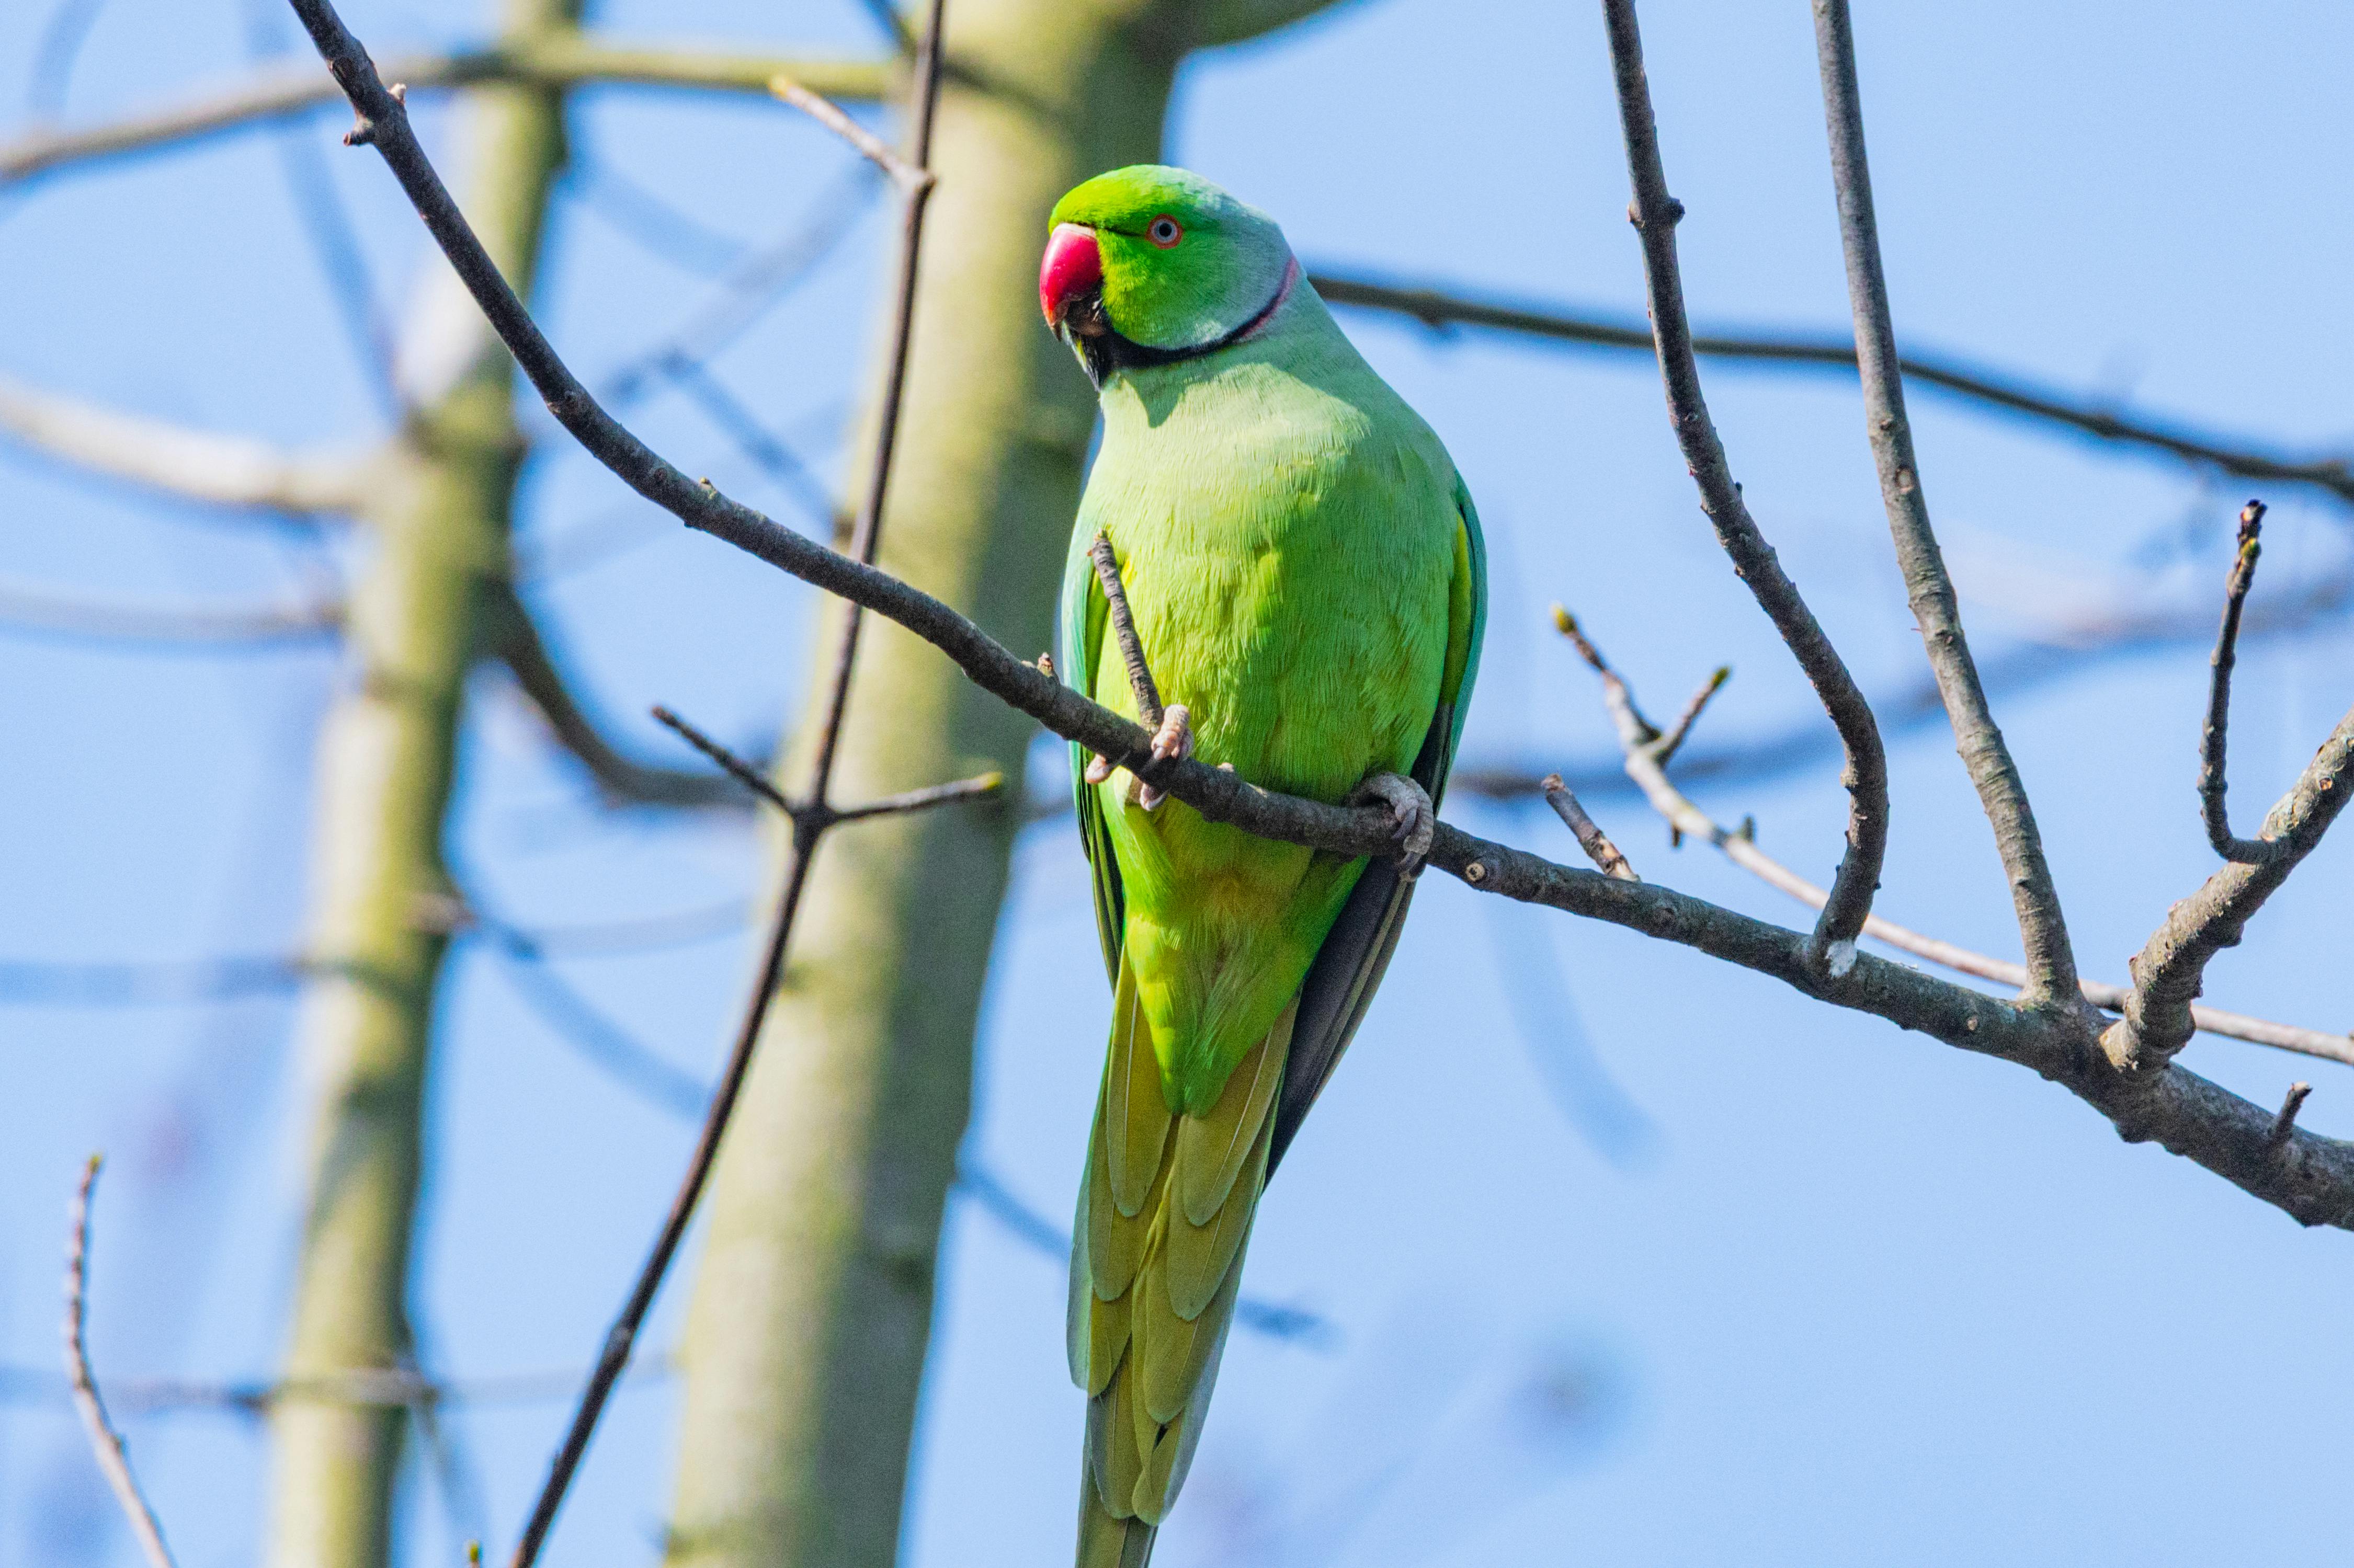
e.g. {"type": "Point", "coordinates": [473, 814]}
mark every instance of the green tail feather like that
{"type": "Point", "coordinates": [1106, 1541]}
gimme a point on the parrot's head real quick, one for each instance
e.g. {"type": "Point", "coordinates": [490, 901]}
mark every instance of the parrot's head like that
{"type": "Point", "coordinates": [1148, 265]}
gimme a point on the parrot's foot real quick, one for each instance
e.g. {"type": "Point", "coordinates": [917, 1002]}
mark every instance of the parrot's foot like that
{"type": "Point", "coordinates": [1173, 738]}
{"type": "Point", "coordinates": [1415, 821]}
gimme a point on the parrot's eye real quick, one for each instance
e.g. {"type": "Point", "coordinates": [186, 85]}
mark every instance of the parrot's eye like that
{"type": "Point", "coordinates": [1165, 232]}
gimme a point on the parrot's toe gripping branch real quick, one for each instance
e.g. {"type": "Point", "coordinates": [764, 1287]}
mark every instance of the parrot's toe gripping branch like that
{"type": "Point", "coordinates": [1175, 737]}
{"type": "Point", "coordinates": [1415, 819]}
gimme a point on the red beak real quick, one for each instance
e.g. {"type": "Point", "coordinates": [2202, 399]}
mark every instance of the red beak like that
{"type": "Point", "coordinates": [1072, 267]}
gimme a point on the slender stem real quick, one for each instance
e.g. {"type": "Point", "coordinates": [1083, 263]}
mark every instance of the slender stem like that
{"type": "Point", "coordinates": [545, 62]}
{"type": "Point", "coordinates": [1672, 742]}
{"type": "Point", "coordinates": [1597, 844]}
{"type": "Point", "coordinates": [105, 1442]}
{"type": "Point", "coordinates": [870, 146]}
{"type": "Point", "coordinates": [980, 787]}
{"type": "Point", "coordinates": [735, 768]}
{"type": "Point", "coordinates": [2213, 744]}
{"type": "Point", "coordinates": [2051, 961]}
{"type": "Point", "coordinates": [2285, 1121]}
{"type": "Point", "coordinates": [1123, 627]}
{"type": "Point", "coordinates": [1655, 214]}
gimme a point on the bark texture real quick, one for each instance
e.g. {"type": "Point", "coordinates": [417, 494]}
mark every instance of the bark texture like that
{"type": "Point", "coordinates": [380, 901]}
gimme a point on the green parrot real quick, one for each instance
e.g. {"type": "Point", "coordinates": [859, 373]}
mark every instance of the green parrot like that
{"type": "Point", "coordinates": [1307, 582]}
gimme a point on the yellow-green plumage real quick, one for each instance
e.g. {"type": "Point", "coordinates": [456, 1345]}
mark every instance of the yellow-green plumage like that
{"type": "Point", "coordinates": [1304, 571]}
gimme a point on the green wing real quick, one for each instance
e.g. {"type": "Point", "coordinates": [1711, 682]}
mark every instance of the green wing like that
{"type": "Point", "coordinates": [1085, 614]}
{"type": "Point", "coordinates": [1349, 965]}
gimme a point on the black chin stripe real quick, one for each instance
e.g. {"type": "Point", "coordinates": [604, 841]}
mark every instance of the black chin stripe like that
{"type": "Point", "coordinates": [1108, 350]}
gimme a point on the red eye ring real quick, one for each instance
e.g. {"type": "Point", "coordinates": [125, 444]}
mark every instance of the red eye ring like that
{"type": "Point", "coordinates": [1165, 231]}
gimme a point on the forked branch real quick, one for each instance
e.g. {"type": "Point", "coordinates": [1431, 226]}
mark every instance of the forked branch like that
{"type": "Point", "coordinates": [1648, 769]}
{"type": "Point", "coordinates": [2051, 961]}
{"type": "Point", "coordinates": [2170, 969]}
{"type": "Point", "coordinates": [1655, 215]}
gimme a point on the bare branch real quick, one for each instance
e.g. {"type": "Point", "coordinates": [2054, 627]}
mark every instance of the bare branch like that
{"type": "Point", "coordinates": [1655, 215]}
{"type": "Point", "coordinates": [2282, 1123]}
{"type": "Point", "coordinates": [2238, 456]}
{"type": "Point", "coordinates": [2051, 961]}
{"type": "Point", "coordinates": [745, 773]}
{"type": "Point", "coordinates": [550, 60]}
{"type": "Point", "coordinates": [187, 625]}
{"type": "Point", "coordinates": [104, 1440]}
{"type": "Point", "coordinates": [197, 466]}
{"type": "Point", "coordinates": [906, 175]}
{"type": "Point", "coordinates": [980, 787]}
{"type": "Point", "coordinates": [2312, 1179]}
{"type": "Point", "coordinates": [1590, 837]}
{"type": "Point", "coordinates": [1123, 627]}
{"type": "Point", "coordinates": [1645, 767]}
{"type": "Point", "coordinates": [385, 1387]}
{"type": "Point", "coordinates": [2213, 744]}
{"type": "Point", "coordinates": [621, 778]}
{"type": "Point", "coordinates": [1672, 742]}
{"type": "Point", "coordinates": [2171, 967]}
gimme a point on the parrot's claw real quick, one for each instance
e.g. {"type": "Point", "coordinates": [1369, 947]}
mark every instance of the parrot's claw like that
{"type": "Point", "coordinates": [1415, 821]}
{"type": "Point", "coordinates": [1173, 738]}
{"type": "Point", "coordinates": [1099, 769]}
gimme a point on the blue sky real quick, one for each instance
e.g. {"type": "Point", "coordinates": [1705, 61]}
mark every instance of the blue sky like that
{"type": "Point", "coordinates": [1625, 1257]}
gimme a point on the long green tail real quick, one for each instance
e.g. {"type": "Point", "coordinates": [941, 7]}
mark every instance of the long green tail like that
{"type": "Point", "coordinates": [1156, 1264]}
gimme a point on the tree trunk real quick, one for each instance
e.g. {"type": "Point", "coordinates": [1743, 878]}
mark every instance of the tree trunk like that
{"type": "Point", "coordinates": [381, 909]}
{"type": "Point", "coordinates": [804, 1348]}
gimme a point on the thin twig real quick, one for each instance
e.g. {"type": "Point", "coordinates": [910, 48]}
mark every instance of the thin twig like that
{"type": "Point", "coordinates": [1655, 214]}
{"type": "Point", "coordinates": [1642, 765]}
{"type": "Point", "coordinates": [221, 471]}
{"type": "Point", "coordinates": [2285, 1122]}
{"type": "Point", "coordinates": [2042, 928]}
{"type": "Point", "coordinates": [549, 60]}
{"type": "Point", "coordinates": [180, 626]}
{"type": "Point", "coordinates": [907, 176]}
{"type": "Point", "coordinates": [2213, 743]}
{"type": "Point", "coordinates": [1590, 836]}
{"type": "Point", "coordinates": [1439, 308]}
{"type": "Point", "coordinates": [2313, 1181]}
{"type": "Point", "coordinates": [743, 772]}
{"type": "Point", "coordinates": [2170, 969]}
{"type": "Point", "coordinates": [1149, 711]}
{"type": "Point", "coordinates": [382, 116]}
{"type": "Point", "coordinates": [104, 1440]}
{"type": "Point", "coordinates": [979, 787]}
{"type": "Point", "coordinates": [1672, 742]}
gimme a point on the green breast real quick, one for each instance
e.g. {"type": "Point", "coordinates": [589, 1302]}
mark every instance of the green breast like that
{"type": "Point", "coordinates": [1286, 527]}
